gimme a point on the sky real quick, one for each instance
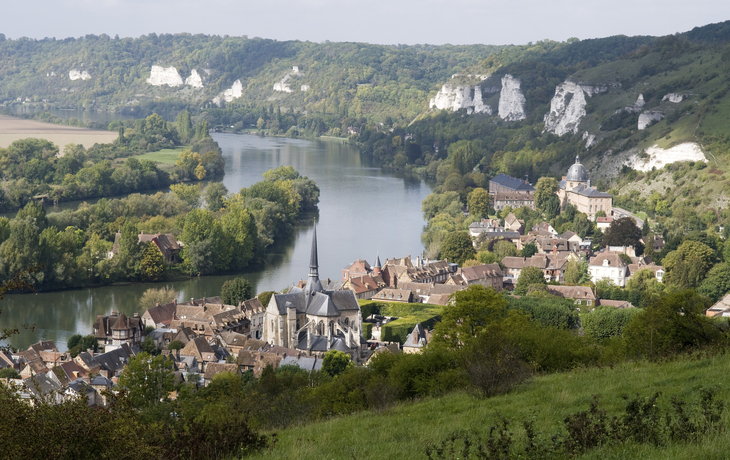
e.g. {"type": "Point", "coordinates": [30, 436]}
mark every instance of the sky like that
{"type": "Point", "coordinates": [374, 21]}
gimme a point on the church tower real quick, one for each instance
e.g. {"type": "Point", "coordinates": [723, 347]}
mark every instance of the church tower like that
{"type": "Point", "coordinates": [377, 268]}
{"type": "Point", "coordinates": [313, 284]}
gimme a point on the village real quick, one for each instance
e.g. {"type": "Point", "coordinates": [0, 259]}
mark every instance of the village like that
{"type": "Point", "coordinates": [204, 337]}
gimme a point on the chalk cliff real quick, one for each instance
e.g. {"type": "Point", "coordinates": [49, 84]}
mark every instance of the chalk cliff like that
{"type": "Point", "coordinates": [160, 76]}
{"type": "Point", "coordinates": [76, 75]}
{"type": "Point", "coordinates": [455, 97]}
{"type": "Point", "coordinates": [649, 117]}
{"type": "Point", "coordinates": [194, 80]}
{"type": "Point", "coordinates": [511, 100]}
{"type": "Point", "coordinates": [283, 84]}
{"type": "Point", "coordinates": [673, 97]}
{"type": "Point", "coordinates": [234, 92]}
{"type": "Point", "coordinates": [658, 157]}
{"type": "Point", "coordinates": [567, 109]}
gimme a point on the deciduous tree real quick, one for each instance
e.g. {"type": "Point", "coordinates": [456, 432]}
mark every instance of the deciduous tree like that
{"type": "Point", "coordinates": [457, 247]}
{"type": "Point", "coordinates": [528, 277]}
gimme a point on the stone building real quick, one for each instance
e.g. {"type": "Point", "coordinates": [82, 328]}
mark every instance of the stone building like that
{"type": "Point", "coordinates": [508, 191]}
{"type": "Point", "coordinates": [575, 189]}
{"type": "Point", "coordinates": [313, 320]}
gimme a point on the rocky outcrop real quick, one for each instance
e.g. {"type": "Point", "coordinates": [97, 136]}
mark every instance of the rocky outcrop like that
{"type": "Point", "coordinates": [511, 100]}
{"type": "Point", "coordinates": [567, 109]}
{"type": "Point", "coordinates": [657, 157]}
{"type": "Point", "coordinates": [76, 75]}
{"type": "Point", "coordinates": [283, 85]}
{"type": "Point", "coordinates": [649, 117]}
{"type": "Point", "coordinates": [305, 88]}
{"type": "Point", "coordinates": [234, 92]}
{"type": "Point", "coordinates": [160, 76]}
{"type": "Point", "coordinates": [455, 97]}
{"type": "Point", "coordinates": [589, 138]}
{"type": "Point", "coordinates": [194, 80]}
{"type": "Point", "coordinates": [673, 97]}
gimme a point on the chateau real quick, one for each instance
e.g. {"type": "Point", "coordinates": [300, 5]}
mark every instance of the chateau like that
{"type": "Point", "coordinates": [314, 320]}
{"type": "Point", "coordinates": [575, 189]}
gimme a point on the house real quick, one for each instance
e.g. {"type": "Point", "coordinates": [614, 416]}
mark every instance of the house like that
{"type": "Point", "coordinates": [117, 329]}
{"type": "Point", "coordinates": [255, 312]}
{"type": "Point", "coordinates": [165, 242]}
{"type": "Point", "coordinates": [232, 341]}
{"type": "Point", "coordinates": [402, 270]}
{"type": "Point", "coordinates": [580, 295]}
{"type": "Point", "coordinates": [602, 223]}
{"type": "Point", "coordinates": [720, 308]}
{"type": "Point", "coordinates": [364, 287]}
{"type": "Point", "coordinates": [303, 362]}
{"type": "Point", "coordinates": [571, 237]}
{"type": "Point", "coordinates": [620, 304]}
{"type": "Point", "coordinates": [512, 237]}
{"type": "Point", "coordinates": [658, 270]}
{"type": "Point", "coordinates": [437, 294]}
{"type": "Point", "coordinates": [610, 266]}
{"type": "Point", "coordinates": [110, 363]}
{"type": "Point", "coordinates": [657, 243]}
{"type": "Point", "coordinates": [160, 315]}
{"type": "Point", "coordinates": [556, 246]}
{"type": "Point", "coordinates": [485, 225]}
{"type": "Point", "coordinates": [544, 229]}
{"type": "Point", "coordinates": [394, 295]}
{"type": "Point", "coordinates": [488, 275]}
{"type": "Point", "coordinates": [201, 350]}
{"type": "Point", "coordinates": [358, 268]}
{"type": "Point", "coordinates": [313, 320]}
{"type": "Point", "coordinates": [552, 265]}
{"type": "Point", "coordinates": [513, 224]}
{"type": "Point", "coordinates": [575, 189]}
{"type": "Point", "coordinates": [508, 191]}
{"type": "Point", "coordinates": [216, 368]}
{"type": "Point", "coordinates": [417, 340]}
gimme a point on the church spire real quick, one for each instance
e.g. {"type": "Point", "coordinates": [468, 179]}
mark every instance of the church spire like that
{"type": "Point", "coordinates": [313, 284]}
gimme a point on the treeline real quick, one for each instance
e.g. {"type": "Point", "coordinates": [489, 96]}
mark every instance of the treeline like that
{"type": "Point", "coordinates": [35, 167]}
{"type": "Point", "coordinates": [76, 248]}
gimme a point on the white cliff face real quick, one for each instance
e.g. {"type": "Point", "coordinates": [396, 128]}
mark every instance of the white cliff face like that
{"type": "Point", "coordinates": [589, 138]}
{"type": "Point", "coordinates": [164, 76]}
{"type": "Point", "coordinates": [76, 75]}
{"type": "Point", "coordinates": [564, 118]}
{"type": "Point", "coordinates": [659, 157]}
{"type": "Point", "coordinates": [305, 87]}
{"type": "Point", "coordinates": [511, 100]}
{"type": "Point", "coordinates": [234, 92]}
{"type": "Point", "coordinates": [194, 80]}
{"type": "Point", "coordinates": [673, 97]}
{"type": "Point", "coordinates": [593, 90]}
{"type": "Point", "coordinates": [649, 117]}
{"type": "Point", "coordinates": [283, 85]}
{"type": "Point", "coordinates": [455, 97]}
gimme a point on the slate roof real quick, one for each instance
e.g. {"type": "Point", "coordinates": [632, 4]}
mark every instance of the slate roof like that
{"type": "Point", "coordinates": [418, 337]}
{"type": "Point", "coordinates": [590, 192]}
{"type": "Point", "coordinates": [572, 292]}
{"type": "Point", "coordinates": [304, 362]}
{"type": "Point", "coordinates": [394, 295]}
{"type": "Point", "coordinates": [512, 183]}
{"type": "Point", "coordinates": [479, 272]}
{"type": "Point", "coordinates": [325, 303]}
{"type": "Point", "coordinates": [115, 360]}
{"type": "Point", "coordinates": [577, 172]}
{"type": "Point", "coordinates": [613, 260]}
{"type": "Point", "coordinates": [162, 314]}
{"type": "Point", "coordinates": [201, 349]}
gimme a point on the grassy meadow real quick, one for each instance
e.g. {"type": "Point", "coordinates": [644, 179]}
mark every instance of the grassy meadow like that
{"type": "Point", "coordinates": [164, 156]}
{"type": "Point", "coordinates": [404, 431]}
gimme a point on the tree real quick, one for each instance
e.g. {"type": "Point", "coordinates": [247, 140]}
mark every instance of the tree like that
{"type": "Point", "coordinates": [336, 362]}
{"type": "Point", "coordinates": [717, 282]}
{"type": "Point", "coordinates": [457, 247]}
{"type": "Point", "coordinates": [9, 373]}
{"type": "Point", "coordinates": [576, 272]}
{"type": "Point", "coordinates": [78, 343]}
{"type": "Point", "coordinates": [175, 345]}
{"type": "Point", "coordinates": [149, 379]}
{"type": "Point", "coordinates": [162, 296]}
{"type": "Point", "coordinates": [189, 194]}
{"type": "Point", "coordinates": [235, 291]}
{"type": "Point", "coordinates": [478, 203]}
{"type": "Point", "coordinates": [265, 297]}
{"type": "Point", "coordinates": [184, 127]}
{"type": "Point", "coordinates": [688, 265]}
{"type": "Point", "coordinates": [623, 232]}
{"type": "Point", "coordinates": [645, 284]}
{"type": "Point", "coordinates": [528, 277]}
{"type": "Point", "coordinates": [152, 265]}
{"type": "Point", "coordinates": [473, 310]}
{"type": "Point", "coordinates": [215, 194]}
{"type": "Point", "coordinates": [545, 190]}
{"type": "Point", "coordinates": [529, 250]}
{"type": "Point", "coordinates": [605, 322]}
{"type": "Point", "coordinates": [504, 248]}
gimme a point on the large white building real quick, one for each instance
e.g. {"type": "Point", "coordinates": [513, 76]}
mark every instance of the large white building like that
{"type": "Point", "coordinates": [609, 266]}
{"type": "Point", "coordinates": [575, 189]}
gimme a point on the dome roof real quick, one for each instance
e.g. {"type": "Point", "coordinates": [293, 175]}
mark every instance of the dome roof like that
{"type": "Point", "coordinates": [577, 172]}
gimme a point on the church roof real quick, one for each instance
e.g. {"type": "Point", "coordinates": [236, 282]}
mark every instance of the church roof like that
{"type": "Point", "coordinates": [577, 172]}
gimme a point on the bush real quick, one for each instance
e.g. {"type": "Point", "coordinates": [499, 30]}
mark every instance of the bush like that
{"type": "Point", "coordinates": [548, 312]}
{"type": "Point", "coordinates": [605, 322]}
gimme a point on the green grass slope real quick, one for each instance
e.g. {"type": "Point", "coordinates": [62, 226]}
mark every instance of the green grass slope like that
{"type": "Point", "coordinates": [404, 431]}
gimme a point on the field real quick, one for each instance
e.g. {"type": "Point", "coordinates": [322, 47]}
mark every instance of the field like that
{"type": "Point", "coordinates": [165, 156]}
{"type": "Point", "coordinates": [13, 129]}
{"type": "Point", "coordinates": [404, 431]}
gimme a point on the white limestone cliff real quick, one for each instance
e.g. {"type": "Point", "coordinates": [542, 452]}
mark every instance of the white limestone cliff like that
{"type": "Point", "coordinates": [673, 97]}
{"type": "Point", "coordinates": [305, 88]}
{"type": "Point", "coordinates": [649, 117]}
{"type": "Point", "coordinates": [283, 85]}
{"type": "Point", "coordinates": [659, 157]}
{"type": "Point", "coordinates": [164, 76]}
{"type": "Point", "coordinates": [589, 138]}
{"type": "Point", "coordinates": [455, 97]}
{"type": "Point", "coordinates": [511, 100]}
{"type": "Point", "coordinates": [76, 75]}
{"type": "Point", "coordinates": [593, 90]}
{"type": "Point", "coordinates": [234, 92]}
{"type": "Point", "coordinates": [194, 80]}
{"type": "Point", "coordinates": [565, 117]}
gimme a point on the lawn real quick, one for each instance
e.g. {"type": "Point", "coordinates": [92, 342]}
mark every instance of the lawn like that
{"type": "Point", "coordinates": [164, 156]}
{"type": "Point", "coordinates": [404, 431]}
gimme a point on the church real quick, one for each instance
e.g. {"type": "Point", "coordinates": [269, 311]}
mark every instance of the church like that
{"type": "Point", "coordinates": [575, 189]}
{"type": "Point", "coordinates": [313, 320]}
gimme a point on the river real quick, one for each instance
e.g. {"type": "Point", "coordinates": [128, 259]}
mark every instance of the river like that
{"type": "Point", "coordinates": [363, 211]}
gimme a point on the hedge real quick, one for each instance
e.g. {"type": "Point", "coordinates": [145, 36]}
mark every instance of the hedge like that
{"type": "Point", "coordinates": [547, 312]}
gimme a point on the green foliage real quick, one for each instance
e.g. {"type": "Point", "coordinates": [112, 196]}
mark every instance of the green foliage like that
{"type": "Point", "coordinates": [528, 277]}
{"type": "Point", "coordinates": [478, 203]}
{"type": "Point", "coordinates": [152, 265]}
{"type": "Point", "coordinates": [688, 265]}
{"type": "Point", "coordinates": [576, 272]}
{"type": "Point", "coordinates": [148, 379]}
{"type": "Point", "coordinates": [623, 232]}
{"type": "Point", "coordinates": [717, 282]}
{"type": "Point", "coordinates": [235, 291]}
{"type": "Point", "coordinates": [175, 345]}
{"type": "Point", "coordinates": [9, 373]}
{"type": "Point", "coordinates": [265, 297]}
{"type": "Point", "coordinates": [545, 190]}
{"type": "Point", "coordinates": [547, 312]}
{"type": "Point", "coordinates": [336, 362]}
{"type": "Point", "coordinates": [529, 250]}
{"type": "Point", "coordinates": [215, 193]}
{"type": "Point", "coordinates": [152, 297]}
{"type": "Point", "coordinates": [190, 194]}
{"type": "Point", "coordinates": [606, 322]}
{"type": "Point", "coordinates": [457, 247]}
{"type": "Point", "coordinates": [78, 343]}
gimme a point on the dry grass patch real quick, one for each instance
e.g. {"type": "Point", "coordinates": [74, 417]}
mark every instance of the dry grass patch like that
{"type": "Point", "coordinates": [13, 129]}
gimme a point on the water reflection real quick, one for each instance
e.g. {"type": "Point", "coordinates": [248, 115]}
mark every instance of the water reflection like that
{"type": "Point", "coordinates": [363, 211]}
